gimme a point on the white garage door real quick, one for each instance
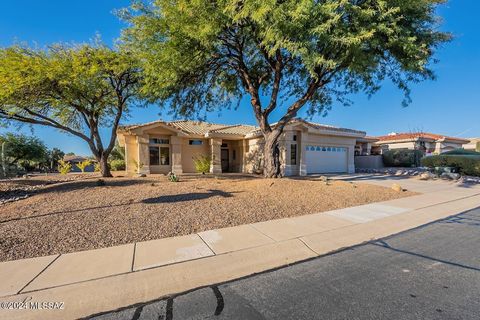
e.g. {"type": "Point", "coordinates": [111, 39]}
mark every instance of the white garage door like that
{"type": "Point", "coordinates": [323, 159]}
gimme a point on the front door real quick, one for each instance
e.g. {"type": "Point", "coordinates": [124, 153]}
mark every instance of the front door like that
{"type": "Point", "coordinates": [225, 160]}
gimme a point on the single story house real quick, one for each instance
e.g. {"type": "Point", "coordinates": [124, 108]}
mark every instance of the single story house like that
{"type": "Point", "coordinates": [305, 147]}
{"type": "Point", "coordinates": [74, 160]}
{"type": "Point", "coordinates": [474, 144]}
{"type": "Point", "coordinates": [366, 146]}
{"type": "Point", "coordinates": [424, 141]}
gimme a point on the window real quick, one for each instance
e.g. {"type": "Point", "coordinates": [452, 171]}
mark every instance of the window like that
{"type": "Point", "coordinates": [294, 137]}
{"type": "Point", "coordinates": [224, 145]}
{"type": "Point", "coordinates": [164, 156]}
{"type": "Point", "coordinates": [195, 142]}
{"type": "Point", "coordinates": [154, 156]}
{"type": "Point", "coordinates": [159, 141]}
{"type": "Point", "coordinates": [293, 154]}
{"type": "Point", "coordinates": [159, 156]}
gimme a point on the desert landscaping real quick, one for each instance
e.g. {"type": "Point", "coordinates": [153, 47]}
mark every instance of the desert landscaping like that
{"type": "Point", "coordinates": [79, 212]}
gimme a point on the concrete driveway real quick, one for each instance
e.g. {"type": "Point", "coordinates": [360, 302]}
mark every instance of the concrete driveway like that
{"type": "Point", "coordinates": [432, 272]}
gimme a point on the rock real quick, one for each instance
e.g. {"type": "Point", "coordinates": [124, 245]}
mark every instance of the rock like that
{"type": "Point", "coordinates": [427, 176]}
{"type": "Point", "coordinates": [455, 176]}
{"type": "Point", "coordinates": [397, 187]}
{"type": "Point", "coordinates": [142, 175]}
{"type": "Point", "coordinates": [450, 176]}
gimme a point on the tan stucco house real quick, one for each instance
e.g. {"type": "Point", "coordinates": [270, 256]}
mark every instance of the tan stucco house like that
{"type": "Point", "coordinates": [474, 144]}
{"type": "Point", "coordinates": [427, 142]}
{"type": "Point", "coordinates": [162, 147]}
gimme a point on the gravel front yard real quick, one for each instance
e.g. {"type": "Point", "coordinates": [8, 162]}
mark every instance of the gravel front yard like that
{"type": "Point", "coordinates": [80, 215]}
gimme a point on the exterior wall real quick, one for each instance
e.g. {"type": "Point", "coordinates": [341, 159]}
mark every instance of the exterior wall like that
{"type": "Point", "coordinates": [253, 155]}
{"type": "Point", "coordinates": [400, 145]}
{"type": "Point", "coordinates": [131, 154]}
{"type": "Point", "coordinates": [474, 145]}
{"type": "Point", "coordinates": [369, 162]}
{"type": "Point", "coordinates": [189, 152]}
{"type": "Point", "coordinates": [446, 146]}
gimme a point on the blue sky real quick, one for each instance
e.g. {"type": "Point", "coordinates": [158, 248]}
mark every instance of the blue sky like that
{"type": "Point", "coordinates": [450, 105]}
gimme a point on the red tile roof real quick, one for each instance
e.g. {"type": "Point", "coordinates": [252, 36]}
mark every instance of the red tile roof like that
{"type": "Point", "coordinates": [414, 136]}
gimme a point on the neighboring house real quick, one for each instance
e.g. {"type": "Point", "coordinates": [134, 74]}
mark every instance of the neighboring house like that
{"type": "Point", "coordinates": [366, 146]}
{"type": "Point", "coordinates": [424, 141]}
{"type": "Point", "coordinates": [474, 145]}
{"type": "Point", "coordinates": [74, 160]}
{"type": "Point", "coordinates": [161, 147]}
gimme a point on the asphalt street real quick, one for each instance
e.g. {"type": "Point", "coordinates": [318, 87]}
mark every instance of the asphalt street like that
{"type": "Point", "coordinates": [432, 272]}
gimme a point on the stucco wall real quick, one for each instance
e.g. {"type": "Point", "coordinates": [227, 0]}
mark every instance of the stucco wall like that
{"type": "Point", "coordinates": [131, 154]}
{"type": "Point", "coordinates": [400, 145]}
{"type": "Point", "coordinates": [254, 155]}
{"type": "Point", "coordinates": [191, 151]}
{"type": "Point", "coordinates": [369, 162]}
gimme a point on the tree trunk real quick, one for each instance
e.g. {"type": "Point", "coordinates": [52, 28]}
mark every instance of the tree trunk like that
{"type": "Point", "coordinates": [104, 168]}
{"type": "Point", "coordinates": [271, 156]}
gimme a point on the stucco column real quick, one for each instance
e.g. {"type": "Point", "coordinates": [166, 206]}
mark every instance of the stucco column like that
{"type": "Point", "coordinates": [143, 164]}
{"type": "Point", "coordinates": [215, 155]}
{"type": "Point", "coordinates": [176, 150]}
{"type": "Point", "coordinates": [301, 150]}
{"type": "Point", "coordinates": [286, 164]}
{"type": "Point", "coordinates": [244, 145]}
{"type": "Point", "coordinates": [351, 159]}
{"type": "Point", "coordinates": [369, 149]}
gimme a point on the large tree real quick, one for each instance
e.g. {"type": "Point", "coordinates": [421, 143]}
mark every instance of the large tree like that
{"type": "Point", "coordinates": [21, 149]}
{"type": "Point", "coordinates": [291, 54]}
{"type": "Point", "coordinates": [76, 89]}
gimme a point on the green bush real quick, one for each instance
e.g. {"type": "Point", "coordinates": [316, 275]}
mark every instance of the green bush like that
{"type": "Point", "coordinates": [172, 177]}
{"type": "Point", "coordinates": [117, 164]}
{"type": "Point", "coordinates": [64, 167]}
{"type": "Point", "coordinates": [467, 164]}
{"type": "Point", "coordinates": [202, 164]}
{"type": "Point", "coordinates": [402, 158]}
{"type": "Point", "coordinates": [462, 152]}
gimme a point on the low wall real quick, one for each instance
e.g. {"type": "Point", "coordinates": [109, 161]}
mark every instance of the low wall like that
{"type": "Point", "coordinates": [369, 162]}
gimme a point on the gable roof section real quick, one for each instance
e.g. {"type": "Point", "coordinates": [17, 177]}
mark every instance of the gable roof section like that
{"type": "Point", "coordinates": [201, 128]}
{"type": "Point", "coordinates": [421, 135]}
{"type": "Point", "coordinates": [238, 129]}
{"type": "Point", "coordinates": [195, 127]}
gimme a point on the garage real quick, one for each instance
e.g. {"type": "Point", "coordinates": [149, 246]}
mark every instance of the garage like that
{"type": "Point", "coordinates": [326, 159]}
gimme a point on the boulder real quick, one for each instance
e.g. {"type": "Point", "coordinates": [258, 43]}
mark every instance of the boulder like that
{"type": "Point", "coordinates": [427, 176]}
{"type": "Point", "coordinates": [397, 187]}
{"type": "Point", "coordinates": [450, 176]}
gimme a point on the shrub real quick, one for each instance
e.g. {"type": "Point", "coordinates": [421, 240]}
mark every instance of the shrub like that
{"type": "Point", "coordinates": [82, 165]}
{"type": "Point", "coordinates": [402, 158]}
{"type": "Point", "coordinates": [172, 177]}
{"type": "Point", "coordinates": [467, 165]}
{"type": "Point", "coordinates": [462, 151]}
{"type": "Point", "coordinates": [117, 164]}
{"type": "Point", "coordinates": [96, 167]}
{"type": "Point", "coordinates": [202, 164]}
{"type": "Point", "coordinates": [64, 167]}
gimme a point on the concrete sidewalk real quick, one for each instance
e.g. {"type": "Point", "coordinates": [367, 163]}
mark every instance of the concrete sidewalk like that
{"type": "Point", "coordinates": [93, 281]}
